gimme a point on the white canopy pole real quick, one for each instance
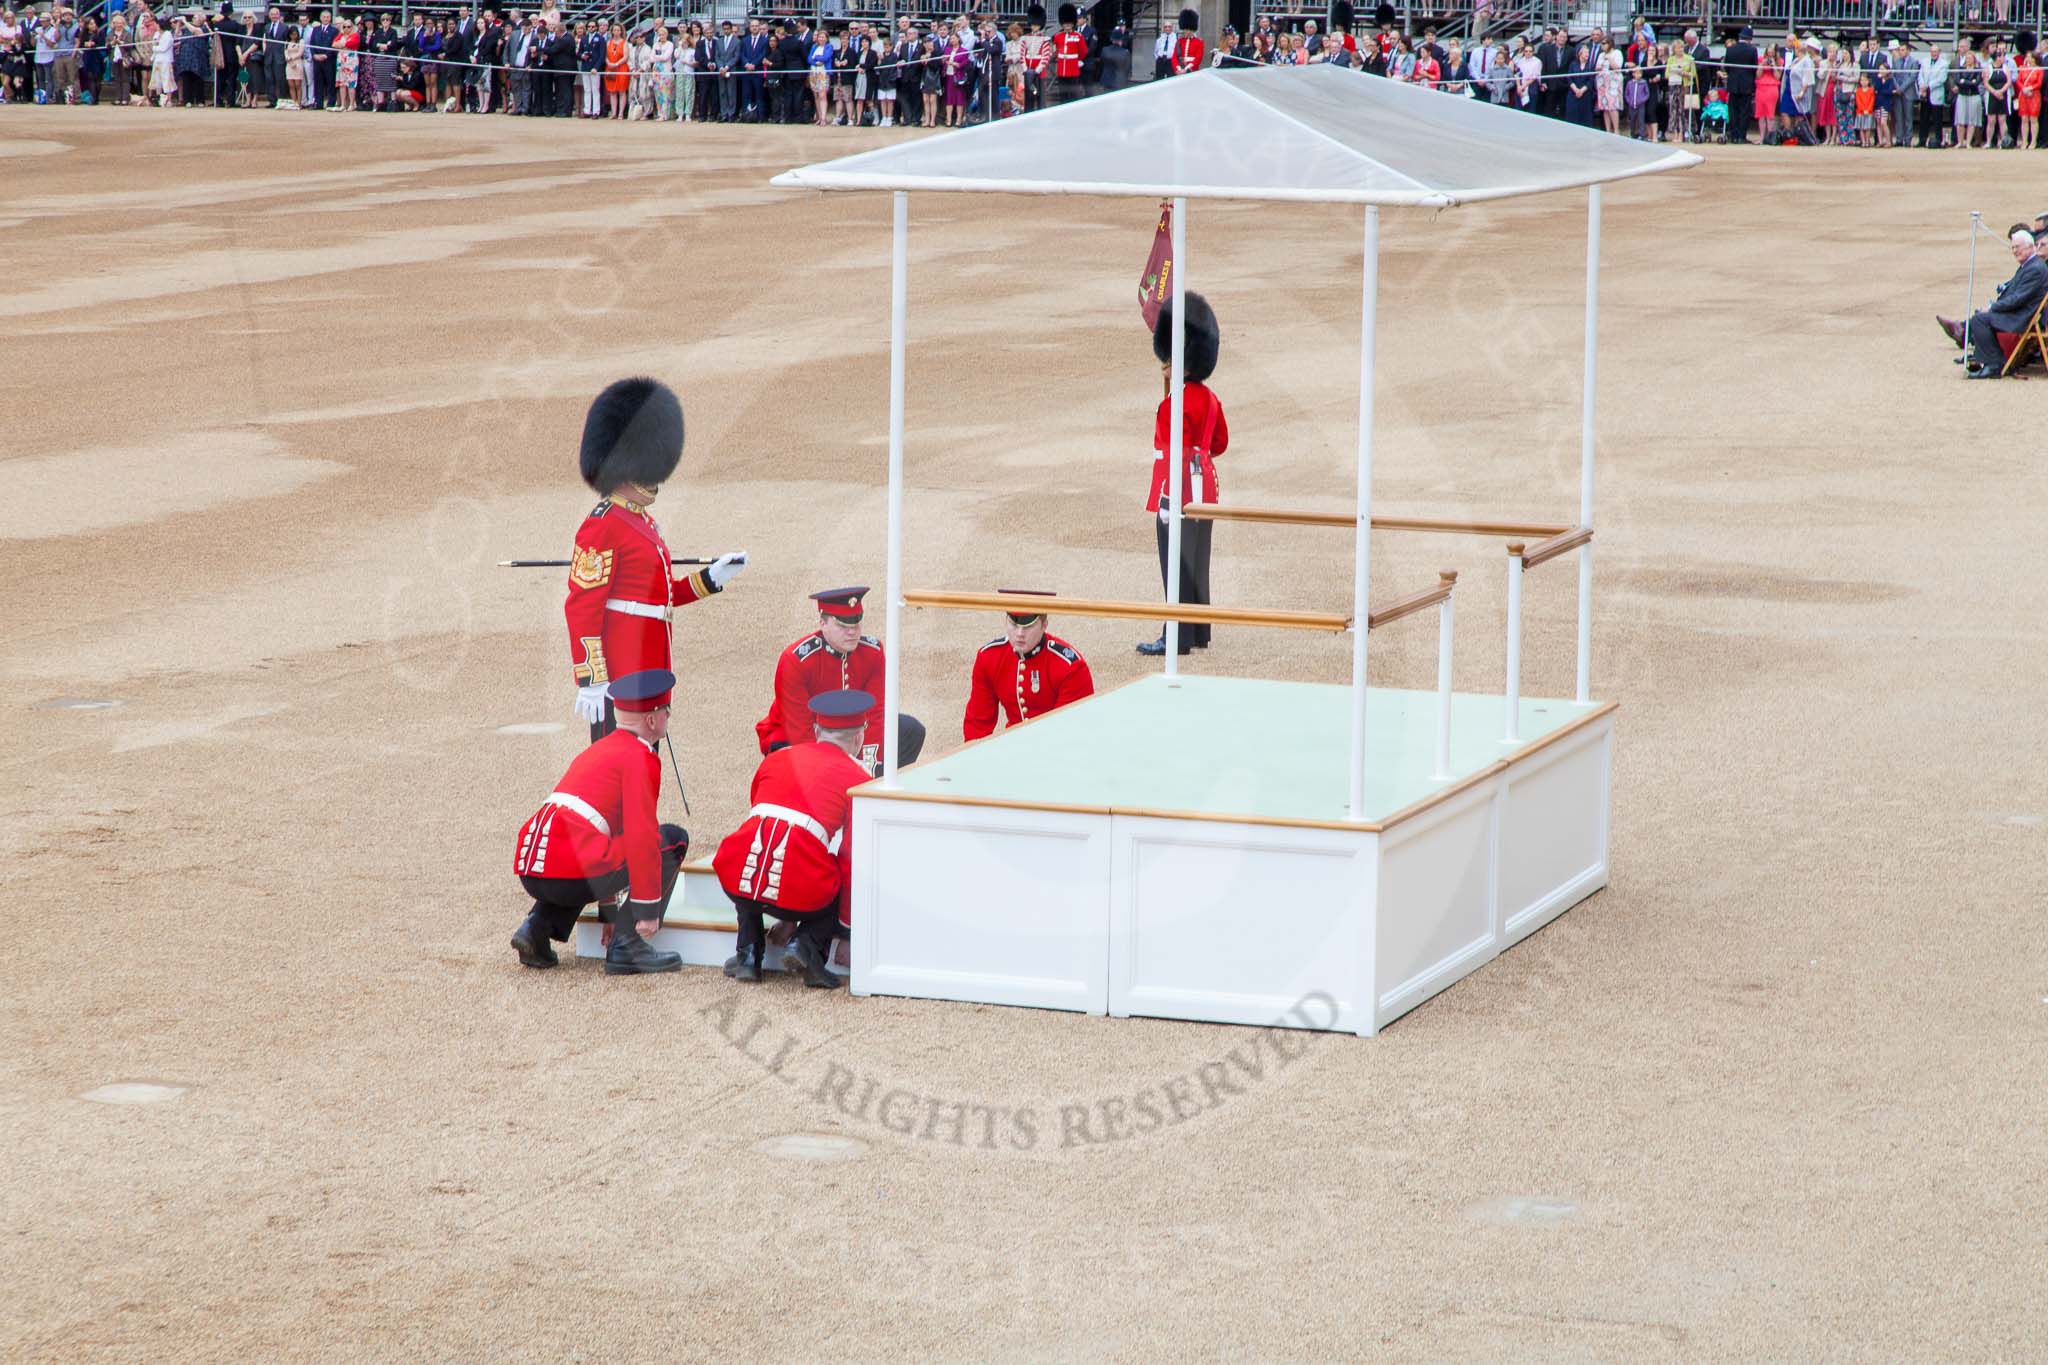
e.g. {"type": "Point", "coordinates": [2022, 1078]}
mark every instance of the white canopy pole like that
{"type": "Point", "coordinates": [1176, 463]}
{"type": "Point", "coordinates": [1361, 568]}
{"type": "Point", "coordinates": [1586, 425]}
{"type": "Point", "coordinates": [892, 700]}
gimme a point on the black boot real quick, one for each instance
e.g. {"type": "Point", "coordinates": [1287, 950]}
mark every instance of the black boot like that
{"type": "Point", "coordinates": [530, 941]}
{"type": "Point", "coordinates": [631, 954]}
{"type": "Point", "coordinates": [816, 973]}
{"type": "Point", "coordinates": [740, 967]}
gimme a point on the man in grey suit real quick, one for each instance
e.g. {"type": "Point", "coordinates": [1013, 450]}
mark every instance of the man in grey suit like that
{"type": "Point", "coordinates": [725, 59]}
{"type": "Point", "coordinates": [273, 55]}
{"type": "Point", "coordinates": [2010, 311]}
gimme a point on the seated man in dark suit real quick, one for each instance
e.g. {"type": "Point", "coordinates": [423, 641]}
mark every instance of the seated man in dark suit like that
{"type": "Point", "coordinates": [2010, 311]}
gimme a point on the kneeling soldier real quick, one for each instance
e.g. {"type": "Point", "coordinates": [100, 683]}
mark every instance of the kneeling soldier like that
{"type": "Point", "coordinates": [596, 838]}
{"type": "Point", "coordinates": [791, 857]}
{"type": "Point", "coordinates": [1024, 671]}
{"type": "Point", "coordinates": [834, 657]}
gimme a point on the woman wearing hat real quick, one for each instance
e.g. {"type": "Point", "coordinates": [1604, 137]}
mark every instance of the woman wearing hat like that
{"type": "Point", "coordinates": [1204, 435]}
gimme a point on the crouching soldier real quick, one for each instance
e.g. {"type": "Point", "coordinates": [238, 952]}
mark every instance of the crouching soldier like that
{"type": "Point", "coordinates": [597, 838]}
{"type": "Point", "coordinates": [791, 857]}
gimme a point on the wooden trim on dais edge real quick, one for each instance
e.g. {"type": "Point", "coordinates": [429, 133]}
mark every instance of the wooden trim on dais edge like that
{"type": "Point", "coordinates": [1437, 798]}
{"type": "Point", "coordinates": [1534, 746]}
{"type": "Point", "coordinates": [1501, 765]}
{"type": "Point", "coordinates": [880, 793]}
{"type": "Point", "coordinates": [1380, 826]}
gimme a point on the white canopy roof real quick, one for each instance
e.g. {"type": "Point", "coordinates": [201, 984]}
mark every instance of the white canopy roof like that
{"type": "Point", "coordinates": [1316, 133]}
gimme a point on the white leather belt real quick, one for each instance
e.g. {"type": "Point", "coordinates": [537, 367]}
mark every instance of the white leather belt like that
{"type": "Point", "coordinates": [769, 811]}
{"type": "Point", "coordinates": [582, 808]}
{"type": "Point", "coordinates": [650, 610]}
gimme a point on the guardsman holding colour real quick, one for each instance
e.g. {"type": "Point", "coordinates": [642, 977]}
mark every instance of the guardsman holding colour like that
{"type": "Point", "coordinates": [1024, 671]}
{"type": "Point", "coordinates": [622, 584]}
{"type": "Point", "coordinates": [833, 658]}
{"type": "Point", "coordinates": [791, 857]}
{"type": "Point", "coordinates": [597, 839]}
{"type": "Point", "coordinates": [1203, 436]}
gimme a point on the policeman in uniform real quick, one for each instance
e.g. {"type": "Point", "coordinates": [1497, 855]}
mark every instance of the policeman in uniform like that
{"type": "Point", "coordinates": [598, 838]}
{"type": "Point", "coordinates": [1024, 671]}
{"type": "Point", "coordinates": [834, 657]}
{"type": "Point", "coordinates": [1203, 434]}
{"type": "Point", "coordinates": [622, 584]}
{"type": "Point", "coordinates": [791, 857]}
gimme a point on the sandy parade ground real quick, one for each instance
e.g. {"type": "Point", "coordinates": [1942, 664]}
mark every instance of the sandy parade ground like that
{"type": "Point", "coordinates": [281, 388]}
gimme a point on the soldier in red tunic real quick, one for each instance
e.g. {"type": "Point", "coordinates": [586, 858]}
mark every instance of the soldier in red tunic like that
{"type": "Point", "coordinates": [1187, 45]}
{"type": "Point", "coordinates": [1069, 50]}
{"type": "Point", "coordinates": [1025, 672]}
{"type": "Point", "coordinates": [597, 838]}
{"type": "Point", "coordinates": [1203, 435]}
{"type": "Point", "coordinates": [623, 588]}
{"type": "Point", "coordinates": [833, 658]}
{"type": "Point", "coordinates": [792, 857]}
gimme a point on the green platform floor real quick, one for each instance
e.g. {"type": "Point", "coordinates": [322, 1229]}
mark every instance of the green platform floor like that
{"type": "Point", "coordinates": [1233, 747]}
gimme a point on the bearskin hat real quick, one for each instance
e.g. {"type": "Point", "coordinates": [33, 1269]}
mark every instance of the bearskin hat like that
{"type": "Point", "coordinates": [1035, 16]}
{"type": "Point", "coordinates": [1385, 16]}
{"type": "Point", "coordinates": [1198, 361]}
{"type": "Point", "coordinates": [633, 434]}
{"type": "Point", "coordinates": [2023, 41]}
{"type": "Point", "coordinates": [1190, 21]}
{"type": "Point", "coordinates": [1341, 15]}
{"type": "Point", "coordinates": [1069, 14]}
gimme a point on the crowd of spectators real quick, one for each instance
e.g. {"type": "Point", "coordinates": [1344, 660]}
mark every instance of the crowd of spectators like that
{"type": "Point", "coordinates": [968, 68]}
{"type": "Point", "coordinates": [1806, 89]}
{"type": "Point", "coordinates": [537, 63]}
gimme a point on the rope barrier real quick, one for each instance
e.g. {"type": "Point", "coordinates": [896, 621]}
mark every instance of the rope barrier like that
{"type": "Point", "coordinates": [982, 67]}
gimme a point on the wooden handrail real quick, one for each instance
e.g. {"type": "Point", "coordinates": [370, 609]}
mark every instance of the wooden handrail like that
{"type": "Point", "coordinates": [1136, 611]}
{"type": "Point", "coordinates": [1562, 543]}
{"type": "Point", "coordinates": [1215, 511]}
{"type": "Point", "coordinates": [1447, 579]}
{"type": "Point", "coordinates": [1212, 511]}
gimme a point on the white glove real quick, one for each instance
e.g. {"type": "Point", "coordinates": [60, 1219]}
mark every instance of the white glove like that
{"type": "Point", "coordinates": [726, 568]}
{"type": "Point", "coordinates": [1165, 512]}
{"type": "Point", "coordinates": [590, 702]}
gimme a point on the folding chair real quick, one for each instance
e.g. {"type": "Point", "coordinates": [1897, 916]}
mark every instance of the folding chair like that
{"type": "Point", "coordinates": [2032, 337]}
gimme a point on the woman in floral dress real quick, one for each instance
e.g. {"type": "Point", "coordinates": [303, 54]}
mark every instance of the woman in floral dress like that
{"type": "Point", "coordinates": [1607, 87]}
{"type": "Point", "coordinates": [347, 66]}
{"type": "Point", "coordinates": [662, 55]}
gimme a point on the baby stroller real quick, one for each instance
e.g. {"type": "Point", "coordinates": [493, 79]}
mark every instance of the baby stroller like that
{"type": "Point", "coordinates": [1714, 117]}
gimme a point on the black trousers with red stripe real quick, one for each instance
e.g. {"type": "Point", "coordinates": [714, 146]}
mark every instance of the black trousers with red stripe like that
{"type": "Point", "coordinates": [559, 900]}
{"type": "Point", "coordinates": [1194, 574]}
